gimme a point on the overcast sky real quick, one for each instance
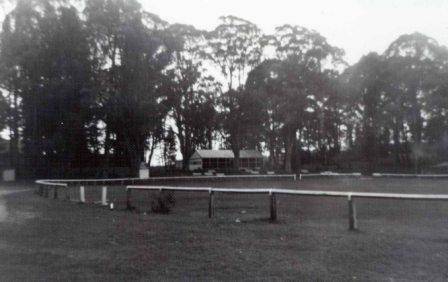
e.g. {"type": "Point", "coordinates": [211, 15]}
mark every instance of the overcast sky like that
{"type": "Point", "coordinates": [357, 26]}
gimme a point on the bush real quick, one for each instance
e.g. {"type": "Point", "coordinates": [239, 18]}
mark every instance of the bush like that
{"type": "Point", "coordinates": [164, 202]}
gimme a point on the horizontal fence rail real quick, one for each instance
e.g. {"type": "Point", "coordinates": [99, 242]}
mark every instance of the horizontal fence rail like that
{"type": "Point", "coordinates": [71, 185]}
{"type": "Point", "coordinates": [122, 181]}
{"type": "Point", "coordinates": [330, 174]}
{"type": "Point", "coordinates": [409, 175]}
{"type": "Point", "coordinates": [170, 178]}
{"type": "Point", "coordinates": [51, 183]}
{"type": "Point", "coordinates": [44, 185]}
{"type": "Point", "coordinates": [44, 188]}
{"type": "Point", "coordinates": [273, 202]}
{"type": "Point", "coordinates": [398, 196]}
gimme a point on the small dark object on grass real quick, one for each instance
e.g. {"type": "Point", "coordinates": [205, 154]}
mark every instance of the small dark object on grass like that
{"type": "Point", "coordinates": [164, 202]}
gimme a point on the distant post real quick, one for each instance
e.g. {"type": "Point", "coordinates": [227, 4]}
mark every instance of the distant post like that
{"type": "Point", "coordinates": [55, 192]}
{"type": "Point", "coordinates": [82, 195]}
{"type": "Point", "coordinates": [273, 206]}
{"type": "Point", "coordinates": [352, 221]}
{"type": "Point", "coordinates": [211, 204]}
{"type": "Point", "coordinates": [128, 199]}
{"type": "Point", "coordinates": [104, 196]}
{"type": "Point", "coordinates": [67, 193]}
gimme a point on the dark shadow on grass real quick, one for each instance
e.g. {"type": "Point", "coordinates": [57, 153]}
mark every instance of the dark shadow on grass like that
{"type": "Point", "coordinates": [355, 231]}
{"type": "Point", "coordinates": [261, 220]}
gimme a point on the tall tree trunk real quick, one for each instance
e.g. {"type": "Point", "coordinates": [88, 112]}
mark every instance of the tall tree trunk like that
{"type": "Point", "coordinates": [288, 156]}
{"type": "Point", "coordinates": [236, 152]}
{"type": "Point", "coordinates": [107, 152]}
{"type": "Point", "coordinates": [14, 129]}
{"type": "Point", "coordinates": [236, 159]}
{"type": "Point", "coordinates": [183, 145]}
{"type": "Point", "coordinates": [350, 136]}
{"type": "Point", "coordinates": [236, 147]}
{"type": "Point", "coordinates": [209, 139]}
{"type": "Point", "coordinates": [396, 138]}
{"type": "Point", "coordinates": [298, 150]}
{"type": "Point", "coordinates": [289, 145]}
{"type": "Point", "coordinates": [272, 158]}
{"type": "Point", "coordinates": [151, 150]}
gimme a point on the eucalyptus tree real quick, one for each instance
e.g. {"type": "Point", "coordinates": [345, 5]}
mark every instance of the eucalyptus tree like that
{"type": "Point", "coordinates": [436, 130]}
{"type": "Point", "coordinates": [10, 119]}
{"type": "Point", "coordinates": [4, 116]}
{"type": "Point", "coordinates": [306, 64]}
{"type": "Point", "coordinates": [327, 111]}
{"type": "Point", "coordinates": [366, 83]}
{"type": "Point", "coordinates": [67, 74]}
{"type": "Point", "coordinates": [132, 55]}
{"type": "Point", "coordinates": [20, 39]}
{"type": "Point", "coordinates": [191, 92]}
{"type": "Point", "coordinates": [4, 112]}
{"type": "Point", "coordinates": [264, 87]}
{"type": "Point", "coordinates": [45, 67]}
{"type": "Point", "coordinates": [235, 47]}
{"type": "Point", "coordinates": [418, 64]}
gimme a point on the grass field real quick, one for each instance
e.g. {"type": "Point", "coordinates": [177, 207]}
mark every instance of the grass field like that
{"type": "Point", "coordinates": [45, 239]}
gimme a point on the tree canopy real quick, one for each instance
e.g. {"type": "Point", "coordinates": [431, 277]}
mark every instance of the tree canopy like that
{"type": "Point", "coordinates": [102, 88]}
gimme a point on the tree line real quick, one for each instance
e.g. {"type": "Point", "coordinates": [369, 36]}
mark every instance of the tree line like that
{"type": "Point", "coordinates": [102, 83]}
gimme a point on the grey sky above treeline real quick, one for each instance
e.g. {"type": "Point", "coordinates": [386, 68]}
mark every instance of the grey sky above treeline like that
{"type": "Point", "coordinates": [357, 26]}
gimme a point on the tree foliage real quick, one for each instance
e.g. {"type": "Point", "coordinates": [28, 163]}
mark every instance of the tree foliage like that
{"type": "Point", "coordinates": [108, 85]}
{"type": "Point", "coordinates": [191, 93]}
{"type": "Point", "coordinates": [235, 46]}
{"type": "Point", "coordinates": [132, 54]}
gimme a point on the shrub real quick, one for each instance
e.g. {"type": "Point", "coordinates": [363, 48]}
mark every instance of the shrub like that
{"type": "Point", "coordinates": [164, 202]}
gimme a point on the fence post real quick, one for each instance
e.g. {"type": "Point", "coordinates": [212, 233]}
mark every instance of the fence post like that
{"type": "Point", "coordinates": [273, 206]}
{"type": "Point", "coordinates": [104, 196]}
{"type": "Point", "coordinates": [82, 195]}
{"type": "Point", "coordinates": [67, 193]}
{"type": "Point", "coordinates": [128, 199]}
{"type": "Point", "coordinates": [55, 192]}
{"type": "Point", "coordinates": [211, 203]}
{"type": "Point", "coordinates": [46, 192]}
{"type": "Point", "coordinates": [352, 222]}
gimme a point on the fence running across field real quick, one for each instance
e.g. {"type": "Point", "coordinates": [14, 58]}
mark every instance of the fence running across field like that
{"type": "Point", "coordinates": [331, 174]}
{"type": "Point", "coordinates": [44, 187]}
{"type": "Point", "coordinates": [409, 175]}
{"type": "Point", "coordinates": [273, 192]}
{"type": "Point", "coordinates": [169, 178]}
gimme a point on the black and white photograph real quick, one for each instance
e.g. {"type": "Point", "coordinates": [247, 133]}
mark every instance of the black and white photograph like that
{"type": "Point", "coordinates": [237, 140]}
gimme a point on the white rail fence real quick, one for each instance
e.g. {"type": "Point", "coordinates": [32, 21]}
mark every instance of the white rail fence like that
{"type": "Point", "coordinates": [408, 175]}
{"type": "Point", "coordinates": [44, 187]}
{"type": "Point", "coordinates": [375, 175]}
{"type": "Point", "coordinates": [170, 178]}
{"type": "Point", "coordinates": [329, 174]}
{"type": "Point", "coordinates": [350, 196]}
